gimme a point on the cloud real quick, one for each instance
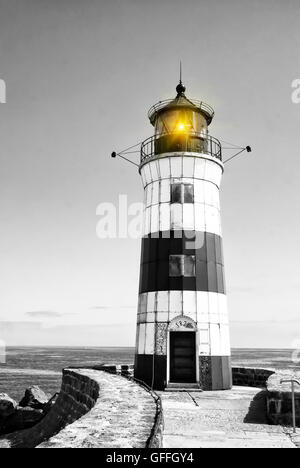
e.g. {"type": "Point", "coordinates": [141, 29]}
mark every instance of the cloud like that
{"type": "Point", "coordinates": [268, 321]}
{"type": "Point", "coordinates": [35, 334]}
{"type": "Point", "coordinates": [240, 289]}
{"type": "Point", "coordinates": [6, 325]}
{"type": "Point", "coordinates": [116, 307]}
{"type": "Point", "coordinates": [43, 314]}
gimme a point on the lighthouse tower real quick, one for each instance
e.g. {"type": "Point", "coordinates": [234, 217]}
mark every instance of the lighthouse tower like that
{"type": "Point", "coordinates": [182, 338]}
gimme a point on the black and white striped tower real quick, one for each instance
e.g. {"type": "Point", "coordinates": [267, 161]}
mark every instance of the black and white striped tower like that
{"type": "Point", "coordinates": [182, 322]}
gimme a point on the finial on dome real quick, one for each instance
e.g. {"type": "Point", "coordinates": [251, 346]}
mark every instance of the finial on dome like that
{"type": "Point", "coordinates": [180, 88]}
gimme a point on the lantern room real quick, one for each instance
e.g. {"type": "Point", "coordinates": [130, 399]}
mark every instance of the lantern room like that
{"type": "Point", "coordinates": [181, 125]}
{"type": "Point", "coordinates": [180, 115]}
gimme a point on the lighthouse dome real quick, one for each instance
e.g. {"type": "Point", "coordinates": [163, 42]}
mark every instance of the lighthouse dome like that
{"type": "Point", "coordinates": [162, 110]}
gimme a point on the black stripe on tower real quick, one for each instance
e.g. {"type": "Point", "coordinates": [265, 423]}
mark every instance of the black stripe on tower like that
{"type": "Point", "coordinates": [155, 262]}
{"type": "Point", "coordinates": [144, 365]}
{"type": "Point", "coordinates": [214, 371]}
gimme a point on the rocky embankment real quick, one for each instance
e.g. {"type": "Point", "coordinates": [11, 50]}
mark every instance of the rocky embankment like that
{"type": "Point", "coordinates": [29, 411]}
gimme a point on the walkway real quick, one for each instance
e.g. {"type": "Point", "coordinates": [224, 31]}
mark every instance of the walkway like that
{"type": "Point", "coordinates": [228, 419]}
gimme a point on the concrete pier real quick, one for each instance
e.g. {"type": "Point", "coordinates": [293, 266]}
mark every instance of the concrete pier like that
{"type": "Point", "coordinates": [228, 419]}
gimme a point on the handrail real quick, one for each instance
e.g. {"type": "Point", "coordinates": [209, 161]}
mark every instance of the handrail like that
{"type": "Point", "coordinates": [205, 144]}
{"type": "Point", "coordinates": [289, 381]}
{"type": "Point", "coordinates": [292, 382]}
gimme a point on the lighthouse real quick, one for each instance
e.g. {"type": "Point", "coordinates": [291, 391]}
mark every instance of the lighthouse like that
{"type": "Point", "coordinates": [182, 338]}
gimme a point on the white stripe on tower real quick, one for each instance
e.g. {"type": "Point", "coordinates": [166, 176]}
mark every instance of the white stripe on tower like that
{"type": "Point", "coordinates": [203, 215]}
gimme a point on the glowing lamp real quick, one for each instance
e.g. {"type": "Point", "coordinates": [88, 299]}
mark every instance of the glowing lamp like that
{"type": "Point", "coordinates": [180, 124]}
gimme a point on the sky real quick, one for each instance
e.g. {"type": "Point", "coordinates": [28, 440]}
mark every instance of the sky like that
{"type": "Point", "coordinates": [81, 76]}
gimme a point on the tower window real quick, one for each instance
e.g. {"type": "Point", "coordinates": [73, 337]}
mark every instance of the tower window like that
{"type": "Point", "coordinates": [188, 193]}
{"type": "Point", "coordinates": [182, 193]}
{"type": "Point", "coordinates": [182, 265]}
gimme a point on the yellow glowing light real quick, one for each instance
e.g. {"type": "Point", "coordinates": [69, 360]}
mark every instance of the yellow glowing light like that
{"type": "Point", "coordinates": [181, 126]}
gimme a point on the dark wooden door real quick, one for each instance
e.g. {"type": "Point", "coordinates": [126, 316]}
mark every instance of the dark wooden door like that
{"type": "Point", "coordinates": [183, 357]}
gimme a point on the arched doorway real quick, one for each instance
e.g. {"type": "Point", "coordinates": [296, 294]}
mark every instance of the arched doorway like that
{"type": "Point", "coordinates": [182, 351]}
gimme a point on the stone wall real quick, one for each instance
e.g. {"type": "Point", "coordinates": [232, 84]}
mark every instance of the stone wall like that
{"type": "Point", "coordinates": [125, 370]}
{"type": "Point", "coordinates": [241, 376]}
{"type": "Point", "coordinates": [95, 409]}
{"type": "Point", "coordinates": [251, 377]}
{"type": "Point", "coordinates": [279, 399]}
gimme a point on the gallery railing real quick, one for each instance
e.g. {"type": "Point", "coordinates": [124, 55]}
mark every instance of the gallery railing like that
{"type": "Point", "coordinates": [191, 142]}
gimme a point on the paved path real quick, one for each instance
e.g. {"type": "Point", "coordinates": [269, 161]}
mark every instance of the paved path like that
{"type": "Point", "coordinates": [228, 419]}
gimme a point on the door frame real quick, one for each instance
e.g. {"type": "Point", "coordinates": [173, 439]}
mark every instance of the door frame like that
{"type": "Point", "coordinates": [180, 324]}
